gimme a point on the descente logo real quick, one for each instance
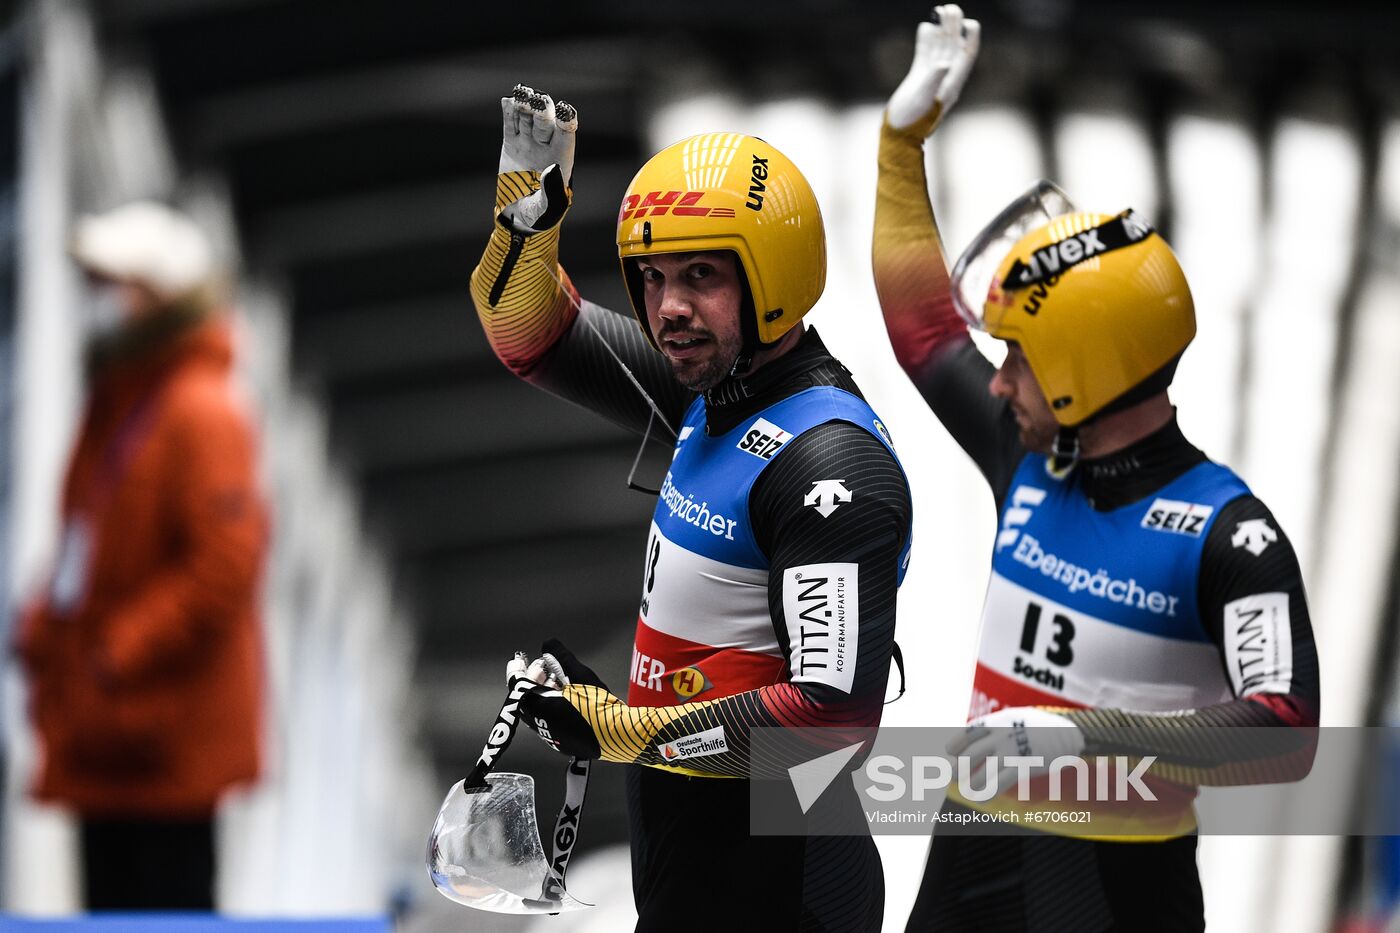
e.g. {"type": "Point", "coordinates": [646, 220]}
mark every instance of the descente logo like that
{"type": "Point", "coordinates": [697, 745]}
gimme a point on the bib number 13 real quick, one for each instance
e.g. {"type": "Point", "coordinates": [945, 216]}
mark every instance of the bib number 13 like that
{"type": "Point", "coordinates": [1059, 650]}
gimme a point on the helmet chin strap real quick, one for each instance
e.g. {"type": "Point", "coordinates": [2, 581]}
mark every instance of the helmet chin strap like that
{"type": "Point", "coordinates": [1064, 453]}
{"type": "Point", "coordinates": [748, 328]}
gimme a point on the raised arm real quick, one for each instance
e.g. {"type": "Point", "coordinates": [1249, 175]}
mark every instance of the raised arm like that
{"type": "Point", "coordinates": [930, 340]}
{"type": "Point", "coordinates": [534, 318]}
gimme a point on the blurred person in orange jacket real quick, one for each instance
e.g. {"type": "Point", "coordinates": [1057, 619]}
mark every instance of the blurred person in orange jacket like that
{"type": "Point", "coordinates": [144, 652]}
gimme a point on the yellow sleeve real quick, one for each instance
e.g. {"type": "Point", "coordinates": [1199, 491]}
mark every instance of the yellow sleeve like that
{"type": "Point", "coordinates": [711, 738]}
{"type": "Point", "coordinates": [522, 295]}
{"type": "Point", "coordinates": [911, 273]}
{"type": "Point", "coordinates": [639, 734]}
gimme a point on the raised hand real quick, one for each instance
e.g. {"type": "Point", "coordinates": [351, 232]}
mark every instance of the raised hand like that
{"type": "Point", "coordinates": [944, 50]}
{"type": "Point", "coordinates": [538, 136]}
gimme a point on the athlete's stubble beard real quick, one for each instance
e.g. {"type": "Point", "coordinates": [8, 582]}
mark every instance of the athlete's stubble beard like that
{"type": "Point", "coordinates": [701, 375]}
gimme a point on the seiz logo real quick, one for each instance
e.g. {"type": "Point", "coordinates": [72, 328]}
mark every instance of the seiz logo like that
{"type": "Point", "coordinates": [1018, 513]}
{"type": "Point", "coordinates": [1182, 518]}
{"type": "Point", "coordinates": [757, 186]}
{"type": "Point", "coordinates": [680, 203]}
{"type": "Point", "coordinates": [763, 439]}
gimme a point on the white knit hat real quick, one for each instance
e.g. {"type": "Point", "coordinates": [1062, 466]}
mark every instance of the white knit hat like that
{"type": "Point", "coordinates": [144, 242]}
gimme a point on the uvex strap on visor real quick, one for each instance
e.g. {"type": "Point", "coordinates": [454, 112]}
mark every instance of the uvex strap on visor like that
{"type": "Point", "coordinates": [485, 850]}
{"type": "Point", "coordinates": [1055, 259]}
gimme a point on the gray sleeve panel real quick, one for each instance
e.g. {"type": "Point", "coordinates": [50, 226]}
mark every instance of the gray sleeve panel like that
{"type": "Point", "coordinates": [586, 367]}
{"type": "Point", "coordinates": [954, 383]}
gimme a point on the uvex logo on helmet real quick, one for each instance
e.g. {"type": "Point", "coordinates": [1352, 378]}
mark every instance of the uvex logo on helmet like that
{"type": "Point", "coordinates": [1049, 262]}
{"type": "Point", "coordinates": [757, 186]}
{"type": "Point", "coordinates": [679, 203]}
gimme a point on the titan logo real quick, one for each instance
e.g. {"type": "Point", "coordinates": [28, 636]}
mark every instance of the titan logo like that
{"type": "Point", "coordinates": [821, 605]}
{"type": "Point", "coordinates": [679, 203]}
{"type": "Point", "coordinates": [817, 614]}
{"type": "Point", "coordinates": [1259, 644]}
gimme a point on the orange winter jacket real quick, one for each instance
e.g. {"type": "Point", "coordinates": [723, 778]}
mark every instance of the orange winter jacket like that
{"type": "Point", "coordinates": [146, 686]}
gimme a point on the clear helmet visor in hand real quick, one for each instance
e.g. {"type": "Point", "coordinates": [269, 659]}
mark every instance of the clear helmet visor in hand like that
{"type": "Point", "coordinates": [975, 273]}
{"type": "Point", "coordinates": [485, 851]}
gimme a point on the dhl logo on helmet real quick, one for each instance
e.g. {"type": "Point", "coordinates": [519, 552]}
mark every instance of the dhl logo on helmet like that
{"type": "Point", "coordinates": [679, 203]}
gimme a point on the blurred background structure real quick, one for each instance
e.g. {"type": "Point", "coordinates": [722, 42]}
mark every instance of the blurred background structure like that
{"type": "Point", "coordinates": [435, 514]}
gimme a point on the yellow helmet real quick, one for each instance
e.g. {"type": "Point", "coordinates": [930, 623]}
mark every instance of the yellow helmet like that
{"type": "Point", "coordinates": [1099, 305]}
{"type": "Point", "coordinates": [735, 192]}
